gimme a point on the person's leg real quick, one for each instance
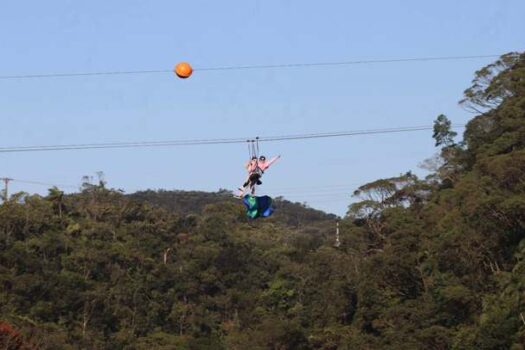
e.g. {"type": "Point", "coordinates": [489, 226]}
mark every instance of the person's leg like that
{"type": "Point", "coordinates": [254, 180]}
{"type": "Point", "coordinates": [247, 180]}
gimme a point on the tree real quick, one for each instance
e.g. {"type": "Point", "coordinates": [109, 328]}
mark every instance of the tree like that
{"type": "Point", "coordinates": [494, 84]}
{"type": "Point", "coordinates": [443, 133]}
{"type": "Point", "coordinates": [56, 197]}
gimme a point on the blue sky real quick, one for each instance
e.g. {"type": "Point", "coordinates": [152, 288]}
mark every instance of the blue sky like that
{"type": "Point", "coordinates": [89, 36]}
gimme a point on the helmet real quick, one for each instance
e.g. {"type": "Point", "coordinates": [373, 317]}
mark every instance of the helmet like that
{"type": "Point", "coordinates": [254, 158]}
{"type": "Point", "coordinates": [263, 158]}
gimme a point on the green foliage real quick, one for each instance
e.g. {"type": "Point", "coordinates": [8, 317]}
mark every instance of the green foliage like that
{"type": "Point", "coordinates": [423, 264]}
{"type": "Point", "coordinates": [443, 133]}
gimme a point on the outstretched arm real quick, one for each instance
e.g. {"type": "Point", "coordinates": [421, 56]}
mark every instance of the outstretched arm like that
{"type": "Point", "coordinates": [273, 160]}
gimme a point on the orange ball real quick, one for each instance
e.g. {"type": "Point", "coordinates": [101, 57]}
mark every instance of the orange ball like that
{"type": "Point", "coordinates": [183, 70]}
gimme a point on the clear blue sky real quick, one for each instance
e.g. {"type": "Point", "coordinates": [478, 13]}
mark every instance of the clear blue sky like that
{"type": "Point", "coordinates": [84, 36]}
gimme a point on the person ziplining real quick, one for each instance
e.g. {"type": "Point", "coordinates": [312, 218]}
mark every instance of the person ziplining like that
{"type": "Point", "coordinates": [255, 166]}
{"type": "Point", "coordinates": [256, 206]}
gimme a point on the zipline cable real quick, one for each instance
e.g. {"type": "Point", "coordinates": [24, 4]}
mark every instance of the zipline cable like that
{"type": "Point", "coordinates": [249, 67]}
{"type": "Point", "coordinates": [175, 143]}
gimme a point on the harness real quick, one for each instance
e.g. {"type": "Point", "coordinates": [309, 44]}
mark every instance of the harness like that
{"type": "Point", "coordinates": [257, 170]}
{"type": "Point", "coordinates": [253, 151]}
{"type": "Point", "coordinates": [253, 147]}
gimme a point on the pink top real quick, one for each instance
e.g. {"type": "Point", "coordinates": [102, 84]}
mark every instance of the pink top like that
{"type": "Point", "coordinates": [252, 165]}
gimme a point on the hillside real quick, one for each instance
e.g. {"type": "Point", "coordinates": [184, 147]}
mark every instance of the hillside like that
{"type": "Point", "coordinates": [434, 263]}
{"type": "Point", "coordinates": [194, 202]}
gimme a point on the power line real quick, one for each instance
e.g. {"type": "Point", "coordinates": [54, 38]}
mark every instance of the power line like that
{"type": "Point", "coordinates": [31, 182]}
{"type": "Point", "coordinates": [314, 190]}
{"type": "Point", "coordinates": [289, 191]}
{"type": "Point", "coordinates": [315, 187]}
{"type": "Point", "coordinates": [80, 74]}
{"type": "Point", "coordinates": [348, 63]}
{"type": "Point", "coordinates": [322, 201]}
{"type": "Point", "coordinates": [318, 194]}
{"type": "Point", "coordinates": [196, 142]}
{"type": "Point", "coordinates": [248, 67]}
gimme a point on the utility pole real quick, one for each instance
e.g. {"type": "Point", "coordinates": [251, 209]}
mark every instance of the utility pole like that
{"type": "Point", "coordinates": [6, 181]}
{"type": "Point", "coordinates": [337, 243]}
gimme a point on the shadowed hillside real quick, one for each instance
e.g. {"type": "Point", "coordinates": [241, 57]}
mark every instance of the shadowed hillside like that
{"type": "Point", "coordinates": [434, 263]}
{"type": "Point", "coordinates": [194, 202]}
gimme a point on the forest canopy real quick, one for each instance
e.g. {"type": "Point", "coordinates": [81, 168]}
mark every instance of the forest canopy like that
{"type": "Point", "coordinates": [432, 263]}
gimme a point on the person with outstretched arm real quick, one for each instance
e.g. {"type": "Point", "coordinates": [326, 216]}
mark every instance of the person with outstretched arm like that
{"type": "Point", "coordinates": [265, 164]}
{"type": "Point", "coordinates": [256, 168]}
